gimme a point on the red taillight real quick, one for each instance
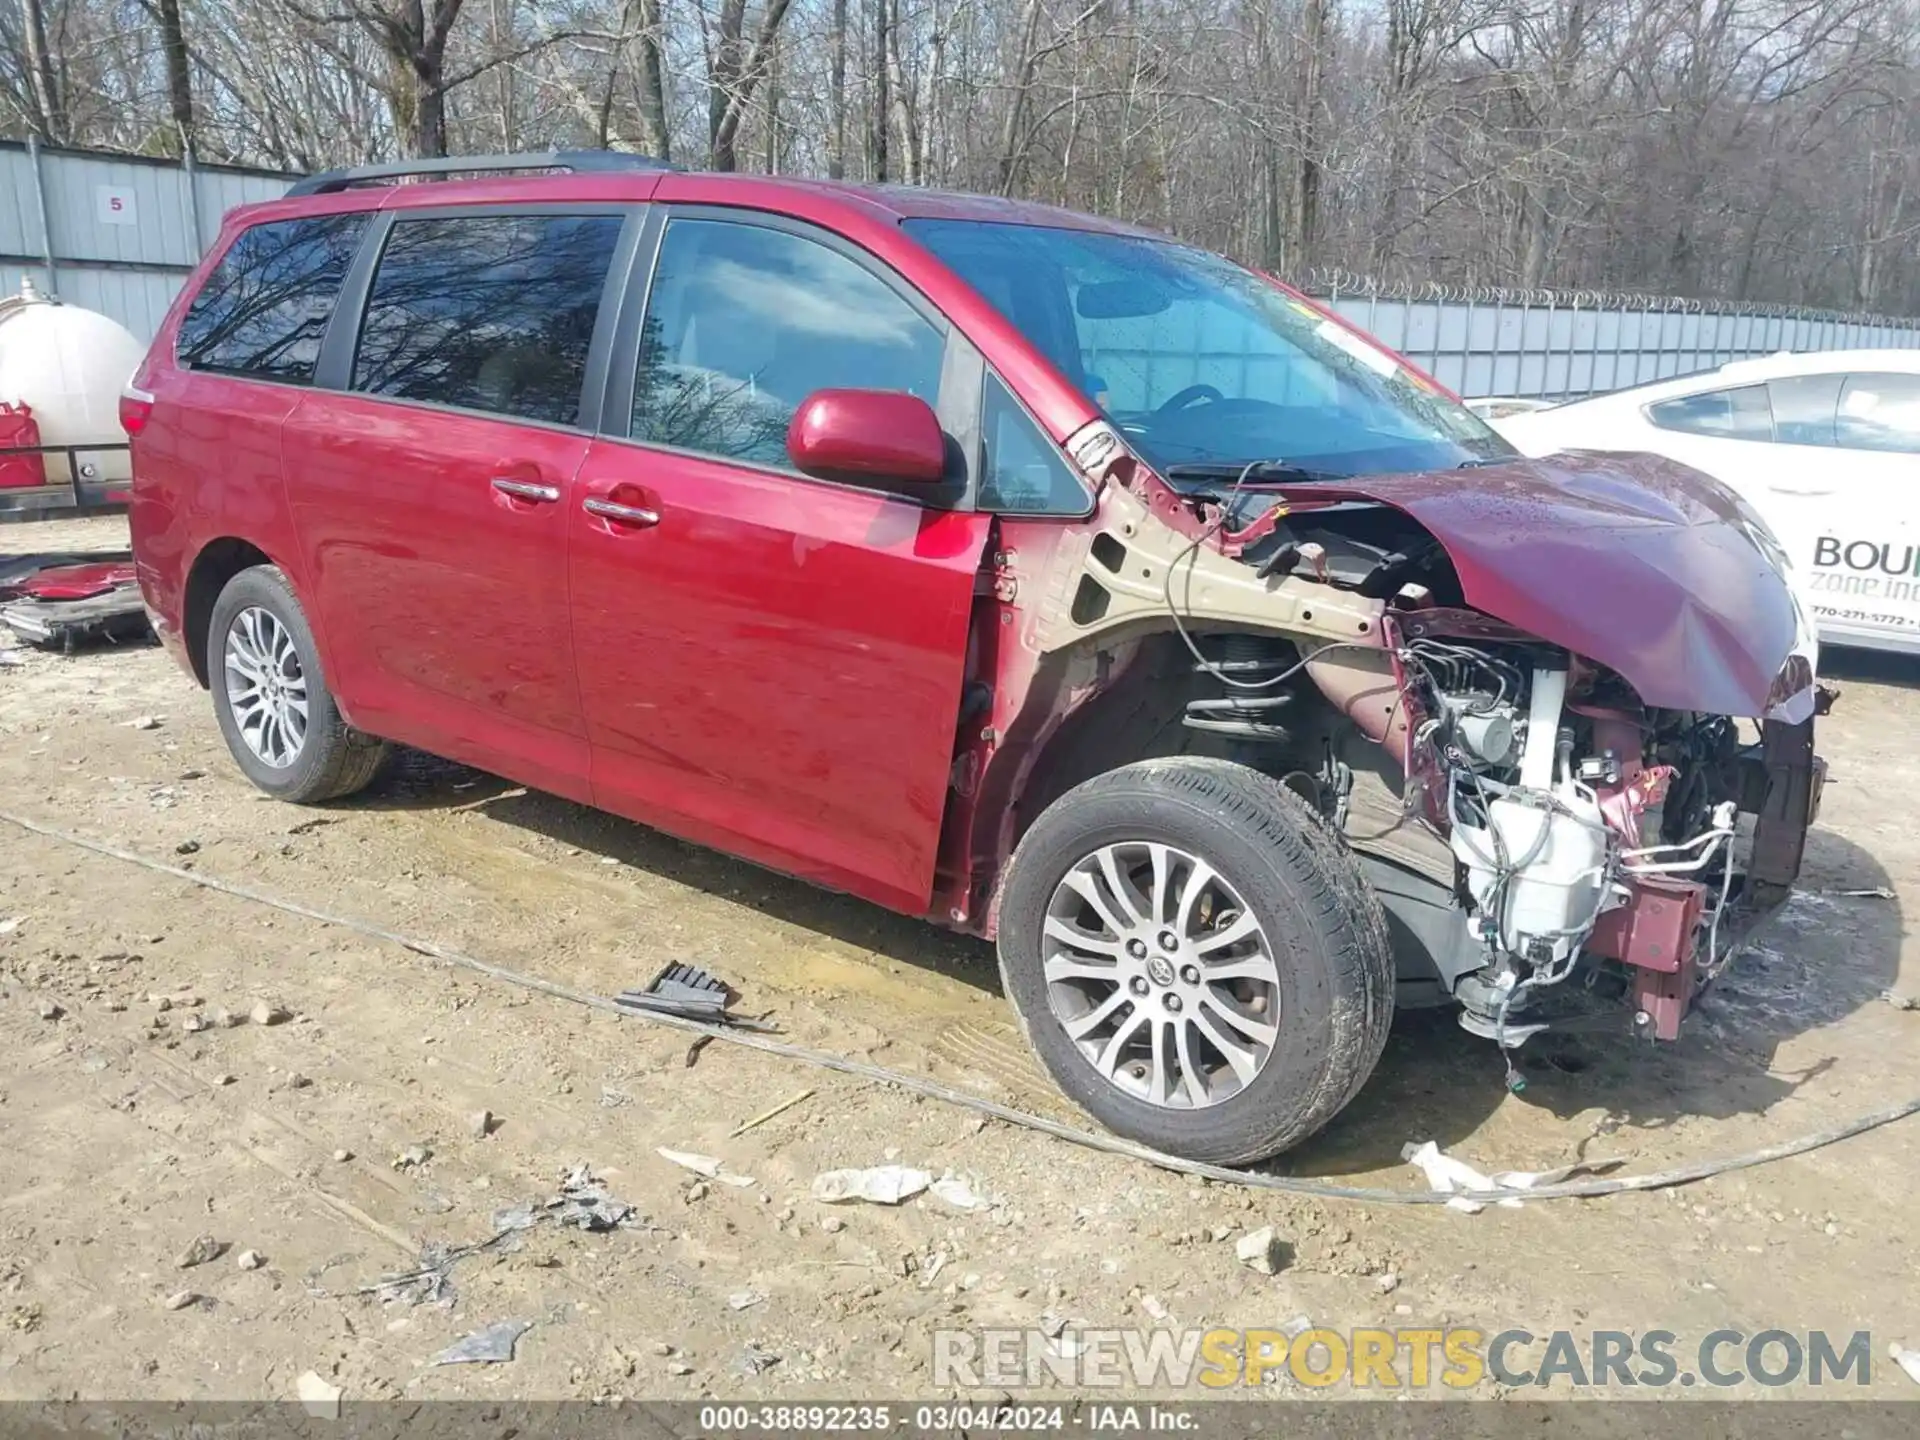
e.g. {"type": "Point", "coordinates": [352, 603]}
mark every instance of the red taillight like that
{"type": "Point", "coordinates": [135, 407]}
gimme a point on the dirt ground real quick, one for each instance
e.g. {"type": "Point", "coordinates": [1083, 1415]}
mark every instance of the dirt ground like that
{"type": "Point", "coordinates": [129, 1130]}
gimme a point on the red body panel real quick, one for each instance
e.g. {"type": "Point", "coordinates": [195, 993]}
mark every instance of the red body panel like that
{"type": "Point", "coordinates": [206, 467]}
{"type": "Point", "coordinates": [444, 599]}
{"type": "Point", "coordinates": [877, 433]}
{"type": "Point", "coordinates": [775, 667]}
{"type": "Point", "coordinates": [76, 582]}
{"type": "Point", "coordinates": [1634, 561]}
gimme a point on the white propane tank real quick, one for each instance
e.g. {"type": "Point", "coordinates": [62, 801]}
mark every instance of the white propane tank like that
{"type": "Point", "coordinates": [70, 365]}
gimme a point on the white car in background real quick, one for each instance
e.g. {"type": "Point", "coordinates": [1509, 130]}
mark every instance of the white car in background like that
{"type": "Point", "coordinates": [1825, 446]}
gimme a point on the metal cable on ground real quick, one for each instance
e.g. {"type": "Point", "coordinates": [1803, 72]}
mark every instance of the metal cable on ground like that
{"type": "Point", "coordinates": [1111, 1144]}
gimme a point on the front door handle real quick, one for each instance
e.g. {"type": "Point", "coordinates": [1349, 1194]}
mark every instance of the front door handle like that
{"type": "Point", "coordinates": [526, 489]}
{"type": "Point", "coordinates": [624, 514]}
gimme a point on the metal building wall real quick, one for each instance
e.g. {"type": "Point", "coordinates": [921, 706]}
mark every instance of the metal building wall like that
{"type": "Point", "coordinates": [122, 232]}
{"type": "Point", "coordinates": [1556, 346]}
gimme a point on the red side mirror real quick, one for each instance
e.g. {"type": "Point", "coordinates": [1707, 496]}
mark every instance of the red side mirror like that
{"type": "Point", "coordinates": [868, 434]}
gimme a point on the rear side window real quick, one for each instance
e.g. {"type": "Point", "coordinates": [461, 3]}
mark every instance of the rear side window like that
{"type": "Point", "coordinates": [487, 312]}
{"type": "Point", "coordinates": [1804, 408]}
{"type": "Point", "coordinates": [1738, 414]}
{"type": "Point", "coordinates": [266, 304]}
{"type": "Point", "coordinates": [1880, 412]}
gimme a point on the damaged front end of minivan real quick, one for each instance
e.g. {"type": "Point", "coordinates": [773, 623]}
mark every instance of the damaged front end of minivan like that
{"type": "Point", "coordinates": [1560, 712]}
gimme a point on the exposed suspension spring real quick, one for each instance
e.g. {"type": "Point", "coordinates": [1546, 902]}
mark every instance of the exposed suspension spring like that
{"type": "Point", "coordinates": [1246, 717]}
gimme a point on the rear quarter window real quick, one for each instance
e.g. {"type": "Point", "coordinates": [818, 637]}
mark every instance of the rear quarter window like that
{"type": "Point", "coordinates": [1880, 412]}
{"type": "Point", "coordinates": [265, 307]}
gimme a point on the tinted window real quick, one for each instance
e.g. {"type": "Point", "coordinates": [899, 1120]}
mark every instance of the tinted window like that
{"type": "Point", "coordinates": [265, 306]}
{"type": "Point", "coordinates": [487, 312]}
{"type": "Point", "coordinates": [1803, 408]}
{"type": "Point", "coordinates": [744, 322]}
{"type": "Point", "coordinates": [1738, 414]}
{"type": "Point", "coordinates": [1023, 472]}
{"type": "Point", "coordinates": [1201, 362]}
{"type": "Point", "coordinates": [1880, 412]}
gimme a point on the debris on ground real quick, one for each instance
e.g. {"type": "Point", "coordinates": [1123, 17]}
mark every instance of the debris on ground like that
{"type": "Point", "coordinates": [432, 1282]}
{"type": "Point", "coordinates": [180, 1300]}
{"type": "Point", "coordinates": [585, 1204]}
{"type": "Point", "coordinates": [754, 1360]}
{"type": "Point", "coordinates": [1899, 1001]}
{"type": "Point", "coordinates": [203, 1249]}
{"type": "Point", "coordinates": [708, 1166]}
{"type": "Point", "coordinates": [1388, 1283]}
{"type": "Point", "coordinates": [879, 1185]}
{"type": "Point", "coordinates": [582, 1203]}
{"type": "Point", "coordinates": [265, 1014]}
{"type": "Point", "coordinates": [1907, 1360]}
{"type": "Point", "coordinates": [63, 600]}
{"type": "Point", "coordinates": [483, 1123]}
{"type": "Point", "coordinates": [1447, 1174]}
{"type": "Point", "coordinates": [1871, 892]}
{"type": "Point", "coordinates": [765, 1115]}
{"type": "Point", "coordinates": [692, 994]}
{"type": "Point", "coordinates": [11, 658]}
{"type": "Point", "coordinates": [9, 925]}
{"type": "Point", "coordinates": [249, 1260]}
{"type": "Point", "coordinates": [962, 1192]}
{"type": "Point", "coordinates": [1263, 1250]}
{"type": "Point", "coordinates": [744, 1299]}
{"type": "Point", "coordinates": [1155, 1307]}
{"type": "Point", "coordinates": [143, 722]}
{"type": "Point", "coordinates": [413, 1157]}
{"type": "Point", "coordinates": [51, 1010]}
{"type": "Point", "coordinates": [318, 1398]}
{"type": "Point", "coordinates": [491, 1346]}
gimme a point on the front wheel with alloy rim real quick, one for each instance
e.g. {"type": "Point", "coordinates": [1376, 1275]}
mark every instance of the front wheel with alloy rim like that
{"type": "Point", "coordinates": [1196, 958]}
{"type": "Point", "coordinates": [272, 701]}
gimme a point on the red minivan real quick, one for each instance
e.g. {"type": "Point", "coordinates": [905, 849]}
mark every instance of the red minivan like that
{"type": "Point", "coordinates": [1048, 578]}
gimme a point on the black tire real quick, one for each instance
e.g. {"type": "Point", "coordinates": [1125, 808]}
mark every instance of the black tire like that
{"type": "Point", "coordinates": [1323, 923]}
{"type": "Point", "coordinates": [333, 758]}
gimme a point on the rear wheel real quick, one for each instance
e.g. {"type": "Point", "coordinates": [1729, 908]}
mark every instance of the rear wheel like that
{"type": "Point", "coordinates": [1196, 959]}
{"type": "Point", "coordinates": [275, 710]}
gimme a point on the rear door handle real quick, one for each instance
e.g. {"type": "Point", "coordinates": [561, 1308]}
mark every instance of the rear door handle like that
{"type": "Point", "coordinates": [625, 514]}
{"type": "Point", "coordinates": [526, 489]}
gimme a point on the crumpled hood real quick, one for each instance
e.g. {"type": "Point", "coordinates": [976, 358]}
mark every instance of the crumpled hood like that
{"type": "Point", "coordinates": [1647, 566]}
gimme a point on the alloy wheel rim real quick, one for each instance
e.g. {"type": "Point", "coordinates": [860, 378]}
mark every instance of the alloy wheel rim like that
{"type": "Point", "coordinates": [1160, 975]}
{"type": "Point", "coordinates": [266, 686]}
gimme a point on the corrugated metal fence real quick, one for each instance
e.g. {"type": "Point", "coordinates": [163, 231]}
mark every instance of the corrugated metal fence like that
{"type": "Point", "coordinates": [1558, 345]}
{"type": "Point", "coordinates": [118, 233]}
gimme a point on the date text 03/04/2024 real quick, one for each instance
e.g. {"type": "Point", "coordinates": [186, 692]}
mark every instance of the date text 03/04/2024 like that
{"type": "Point", "coordinates": [943, 1419]}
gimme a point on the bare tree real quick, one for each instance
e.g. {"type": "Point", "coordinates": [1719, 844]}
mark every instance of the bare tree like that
{"type": "Point", "coordinates": [1757, 149]}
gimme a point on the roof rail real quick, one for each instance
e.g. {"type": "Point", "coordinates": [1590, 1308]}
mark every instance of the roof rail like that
{"type": "Point", "coordinates": [330, 181]}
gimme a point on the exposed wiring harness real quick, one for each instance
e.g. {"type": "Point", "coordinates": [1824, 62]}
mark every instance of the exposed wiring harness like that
{"type": "Point", "coordinates": [1187, 556]}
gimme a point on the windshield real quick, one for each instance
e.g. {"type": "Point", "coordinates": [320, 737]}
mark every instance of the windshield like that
{"type": "Point", "coordinates": [1203, 364]}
